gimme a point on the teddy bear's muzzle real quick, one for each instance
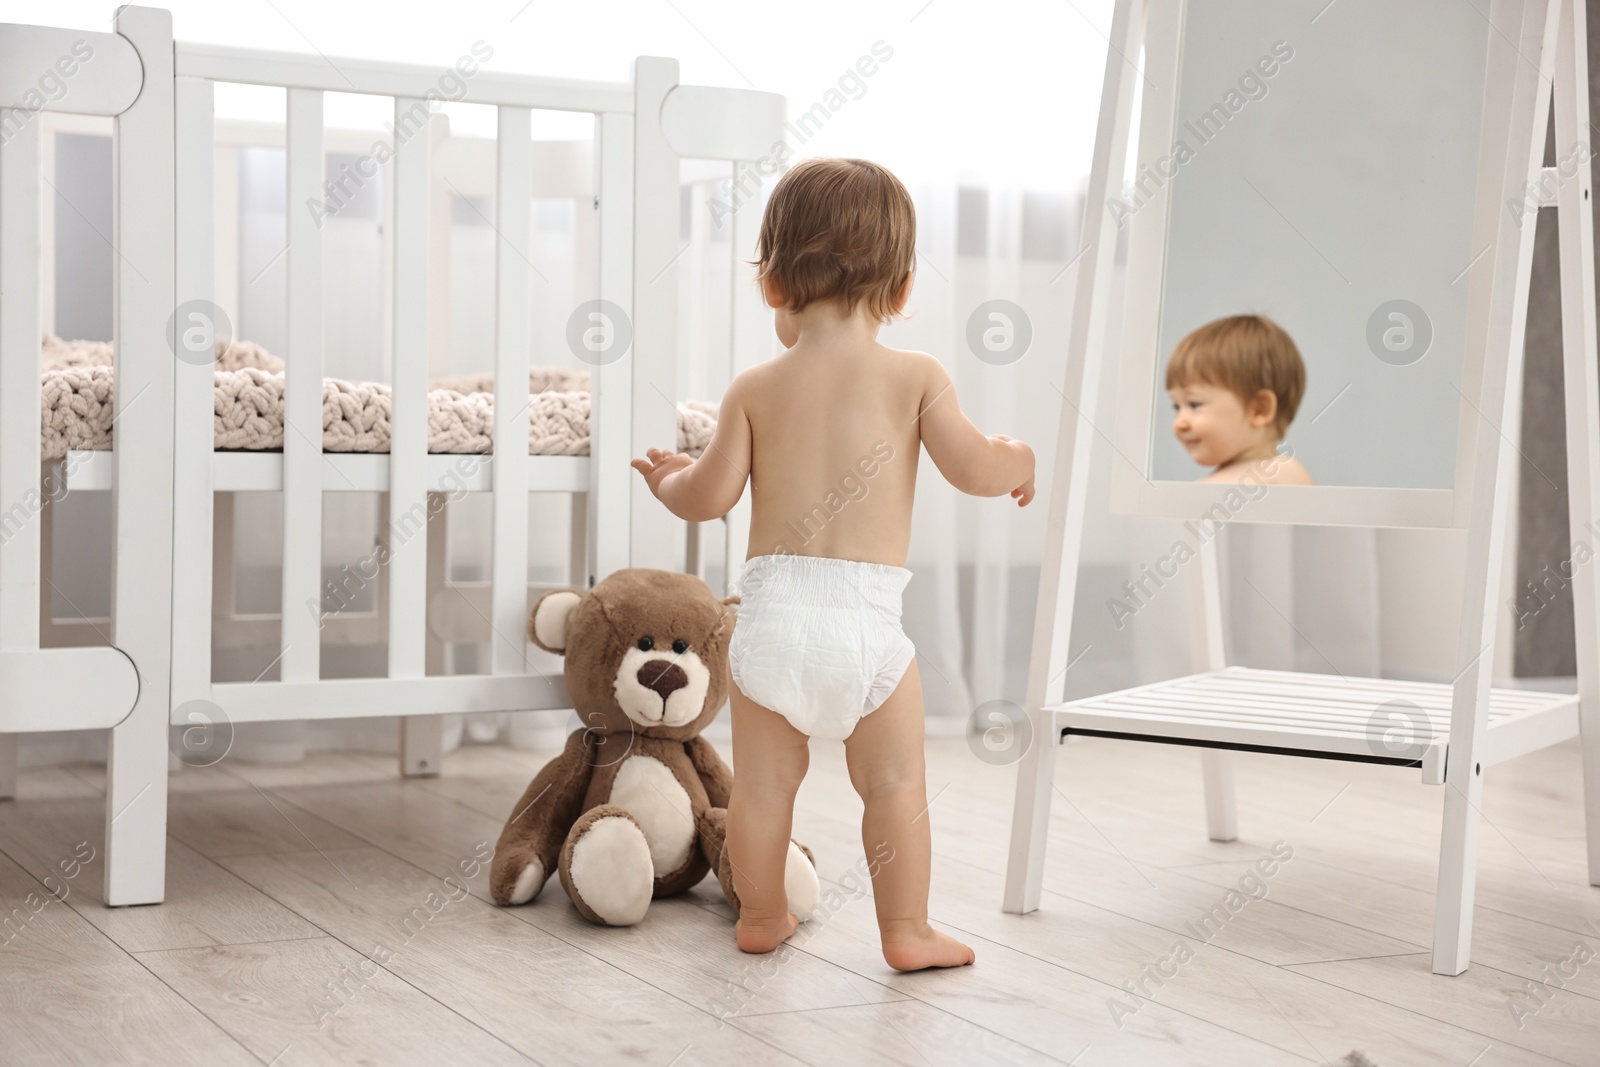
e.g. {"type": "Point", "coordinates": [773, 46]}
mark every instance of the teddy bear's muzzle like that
{"type": "Point", "coordinates": [662, 677]}
{"type": "Point", "coordinates": [659, 690]}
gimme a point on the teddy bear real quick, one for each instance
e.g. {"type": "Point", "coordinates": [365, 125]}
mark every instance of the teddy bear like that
{"type": "Point", "coordinates": [635, 806]}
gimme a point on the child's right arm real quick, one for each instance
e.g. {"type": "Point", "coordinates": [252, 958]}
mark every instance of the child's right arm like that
{"type": "Point", "coordinates": [972, 462]}
{"type": "Point", "coordinates": [706, 488]}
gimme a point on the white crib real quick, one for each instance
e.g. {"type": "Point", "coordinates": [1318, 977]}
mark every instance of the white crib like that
{"type": "Point", "coordinates": [172, 493]}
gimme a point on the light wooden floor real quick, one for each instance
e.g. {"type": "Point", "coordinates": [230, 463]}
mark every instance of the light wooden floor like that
{"type": "Point", "coordinates": [282, 883]}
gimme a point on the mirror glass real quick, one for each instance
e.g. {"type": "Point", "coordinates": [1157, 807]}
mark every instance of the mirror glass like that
{"type": "Point", "coordinates": [1322, 175]}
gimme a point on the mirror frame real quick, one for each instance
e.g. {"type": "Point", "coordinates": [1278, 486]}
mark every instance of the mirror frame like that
{"type": "Point", "coordinates": [1133, 492]}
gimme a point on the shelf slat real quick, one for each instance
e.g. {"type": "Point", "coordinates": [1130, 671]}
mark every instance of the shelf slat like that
{"type": "Point", "coordinates": [1318, 714]}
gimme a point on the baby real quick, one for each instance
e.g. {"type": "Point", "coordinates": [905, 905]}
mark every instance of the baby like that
{"type": "Point", "coordinates": [1235, 385]}
{"type": "Point", "coordinates": [829, 434]}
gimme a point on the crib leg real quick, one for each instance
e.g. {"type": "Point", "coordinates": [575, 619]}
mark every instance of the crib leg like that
{"type": "Point", "coordinates": [1222, 804]}
{"type": "Point", "coordinates": [8, 766]}
{"type": "Point", "coordinates": [136, 808]}
{"type": "Point", "coordinates": [421, 745]}
{"type": "Point", "coordinates": [422, 736]}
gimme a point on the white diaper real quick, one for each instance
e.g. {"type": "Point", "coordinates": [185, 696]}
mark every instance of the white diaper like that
{"type": "Point", "coordinates": [818, 640]}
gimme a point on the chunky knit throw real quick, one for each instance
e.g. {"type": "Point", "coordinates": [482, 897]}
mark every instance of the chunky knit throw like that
{"type": "Point", "coordinates": [78, 392]}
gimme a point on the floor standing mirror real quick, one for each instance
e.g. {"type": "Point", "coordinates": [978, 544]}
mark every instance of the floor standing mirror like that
{"type": "Point", "coordinates": [1369, 183]}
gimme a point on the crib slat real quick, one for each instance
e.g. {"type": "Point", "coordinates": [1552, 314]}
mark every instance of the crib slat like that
{"type": "Point", "coordinates": [611, 397]}
{"type": "Point", "coordinates": [20, 500]}
{"type": "Point", "coordinates": [658, 262]}
{"type": "Point", "coordinates": [408, 420]}
{"type": "Point", "coordinates": [513, 335]}
{"type": "Point", "coordinates": [753, 337]}
{"type": "Point", "coordinates": [193, 431]}
{"type": "Point", "coordinates": [302, 437]}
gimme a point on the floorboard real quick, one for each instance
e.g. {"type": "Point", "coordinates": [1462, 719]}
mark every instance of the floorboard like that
{"type": "Point", "coordinates": [331, 912]}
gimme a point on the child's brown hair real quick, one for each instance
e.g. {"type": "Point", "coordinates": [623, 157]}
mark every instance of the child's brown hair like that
{"type": "Point", "coordinates": [1243, 354]}
{"type": "Point", "coordinates": [838, 229]}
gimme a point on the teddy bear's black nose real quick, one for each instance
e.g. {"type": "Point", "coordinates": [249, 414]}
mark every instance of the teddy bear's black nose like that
{"type": "Point", "coordinates": [662, 676]}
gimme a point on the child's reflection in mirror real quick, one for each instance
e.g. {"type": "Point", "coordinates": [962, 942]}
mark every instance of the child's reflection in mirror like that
{"type": "Point", "coordinates": [1235, 385]}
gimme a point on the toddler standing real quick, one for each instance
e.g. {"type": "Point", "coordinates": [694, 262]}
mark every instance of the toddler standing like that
{"type": "Point", "coordinates": [829, 435]}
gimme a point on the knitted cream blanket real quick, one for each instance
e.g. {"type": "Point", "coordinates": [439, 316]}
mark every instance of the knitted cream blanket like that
{"type": "Point", "coordinates": [77, 407]}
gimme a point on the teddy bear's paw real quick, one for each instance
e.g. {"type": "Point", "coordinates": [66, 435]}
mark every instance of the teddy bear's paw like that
{"type": "Point", "coordinates": [528, 883]}
{"type": "Point", "coordinates": [610, 870]}
{"type": "Point", "coordinates": [801, 884]}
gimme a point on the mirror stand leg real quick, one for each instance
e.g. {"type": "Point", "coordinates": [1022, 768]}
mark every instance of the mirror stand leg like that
{"type": "Point", "coordinates": [1209, 649]}
{"type": "Point", "coordinates": [1581, 379]}
{"type": "Point", "coordinates": [1458, 869]}
{"type": "Point", "coordinates": [8, 766]}
{"type": "Point", "coordinates": [1030, 816]}
{"type": "Point", "coordinates": [1222, 806]}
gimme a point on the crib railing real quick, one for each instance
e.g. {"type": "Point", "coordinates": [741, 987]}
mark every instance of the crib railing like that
{"type": "Point", "coordinates": [123, 683]}
{"type": "Point", "coordinates": [307, 473]}
{"type": "Point", "coordinates": [636, 198]}
{"type": "Point", "coordinates": [170, 488]}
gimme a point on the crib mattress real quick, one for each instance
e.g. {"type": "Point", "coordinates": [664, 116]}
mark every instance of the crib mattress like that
{"type": "Point", "coordinates": [79, 387]}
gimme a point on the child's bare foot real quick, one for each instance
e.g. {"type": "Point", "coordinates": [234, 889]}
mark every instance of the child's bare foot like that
{"type": "Point", "coordinates": [763, 935]}
{"type": "Point", "coordinates": [924, 948]}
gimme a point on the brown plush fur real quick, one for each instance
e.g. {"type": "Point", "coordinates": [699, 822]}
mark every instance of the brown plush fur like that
{"type": "Point", "coordinates": [631, 604]}
{"type": "Point", "coordinates": [576, 788]}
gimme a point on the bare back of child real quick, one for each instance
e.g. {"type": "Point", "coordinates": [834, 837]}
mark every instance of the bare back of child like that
{"type": "Point", "coordinates": [829, 434]}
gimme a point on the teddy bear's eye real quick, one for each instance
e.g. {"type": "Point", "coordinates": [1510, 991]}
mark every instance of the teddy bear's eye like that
{"type": "Point", "coordinates": [646, 644]}
{"type": "Point", "coordinates": [680, 646]}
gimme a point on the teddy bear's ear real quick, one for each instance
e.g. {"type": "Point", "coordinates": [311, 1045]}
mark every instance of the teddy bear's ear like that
{"type": "Point", "coordinates": [547, 623]}
{"type": "Point", "coordinates": [729, 616]}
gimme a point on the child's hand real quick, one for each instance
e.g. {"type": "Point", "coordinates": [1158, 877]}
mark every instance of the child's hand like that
{"type": "Point", "coordinates": [659, 463]}
{"type": "Point", "coordinates": [1022, 494]}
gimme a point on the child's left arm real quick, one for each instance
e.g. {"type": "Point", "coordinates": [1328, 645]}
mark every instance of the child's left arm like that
{"type": "Point", "coordinates": [707, 488]}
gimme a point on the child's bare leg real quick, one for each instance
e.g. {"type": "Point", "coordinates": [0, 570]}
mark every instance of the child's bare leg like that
{"type": "Point", "coordinates": [769, 761]}
{"type": "Point", "coordinates": [887, 768]}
